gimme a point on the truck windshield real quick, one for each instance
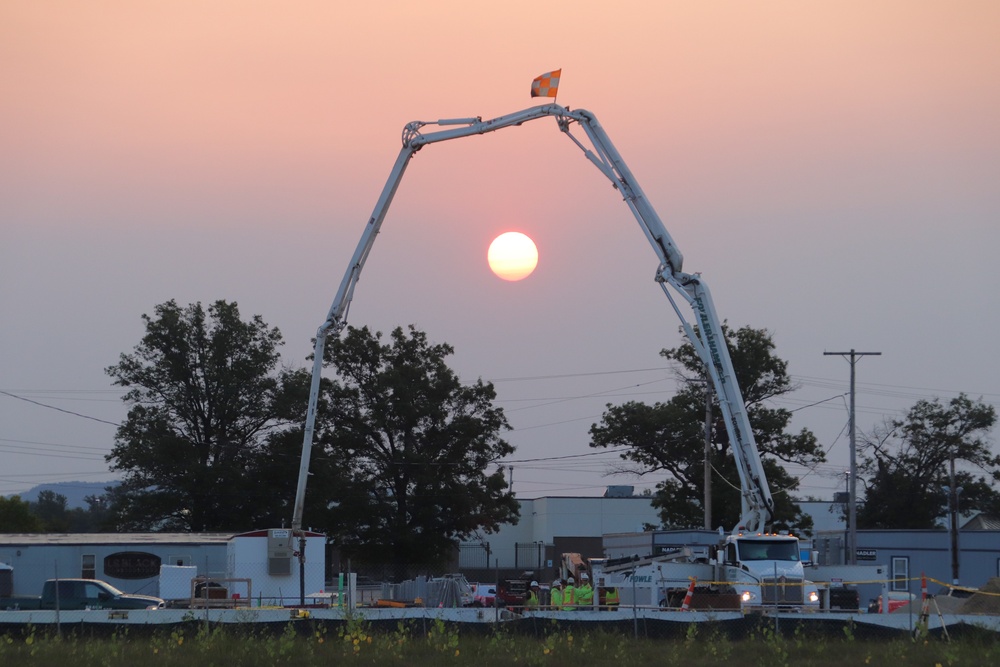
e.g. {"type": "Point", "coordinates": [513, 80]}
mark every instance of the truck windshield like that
{"type": "Point", "coordinates": [757, 549]}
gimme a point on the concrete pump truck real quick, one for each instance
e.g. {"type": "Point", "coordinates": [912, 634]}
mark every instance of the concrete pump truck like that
{"type": "Point", "coordinates": [756, 567]}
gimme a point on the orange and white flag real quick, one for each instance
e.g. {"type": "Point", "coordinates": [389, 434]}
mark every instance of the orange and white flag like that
{"type": "Point", "coordinates": [546, 85]}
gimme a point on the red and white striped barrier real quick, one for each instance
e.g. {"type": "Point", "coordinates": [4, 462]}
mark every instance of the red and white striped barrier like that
{"type": "Point", "coordinates": [687, 598]}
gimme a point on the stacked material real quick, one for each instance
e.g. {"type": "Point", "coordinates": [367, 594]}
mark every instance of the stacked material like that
{"type": "Point", "coordinates": [985, 601]}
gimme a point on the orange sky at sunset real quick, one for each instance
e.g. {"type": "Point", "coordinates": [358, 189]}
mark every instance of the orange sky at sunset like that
{"type": "Point", "coordinates": [831, 168]}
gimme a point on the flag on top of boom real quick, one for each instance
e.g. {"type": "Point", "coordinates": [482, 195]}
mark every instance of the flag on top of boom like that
{"type": "Point", "coordinates": [546, 85]}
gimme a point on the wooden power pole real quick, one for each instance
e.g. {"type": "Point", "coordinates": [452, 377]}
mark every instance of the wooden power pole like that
{"type": "Point", "coordinates": [852, 500]}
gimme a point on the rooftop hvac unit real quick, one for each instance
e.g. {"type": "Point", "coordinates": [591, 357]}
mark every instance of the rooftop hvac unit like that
{"type": "Point", "coordinates": [279, 551]}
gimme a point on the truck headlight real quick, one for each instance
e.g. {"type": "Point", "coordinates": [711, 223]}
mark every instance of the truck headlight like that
{"type": "Point", "coordinates": [747, 596]}
{"type": "Point", "coordinates": [813, 596]}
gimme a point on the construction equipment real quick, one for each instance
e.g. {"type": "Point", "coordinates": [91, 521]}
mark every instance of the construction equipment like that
{"type": "Point", "coordinates": [747, 571]}
{"type": "Point", "coordinates": [758, 578]}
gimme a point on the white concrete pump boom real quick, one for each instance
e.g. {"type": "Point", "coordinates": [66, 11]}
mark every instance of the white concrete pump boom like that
{"type": "Point", "coordinates": [708, 339]}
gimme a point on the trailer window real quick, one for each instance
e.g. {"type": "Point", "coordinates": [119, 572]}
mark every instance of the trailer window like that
{"type": "Point", "coordinates": [88, 566]}
{"type": "Point", "coordinates": [900, 573]}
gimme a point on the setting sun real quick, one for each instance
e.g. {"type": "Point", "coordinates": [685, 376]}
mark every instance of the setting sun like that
{"type": "Point", "coordinates": [512, 256]}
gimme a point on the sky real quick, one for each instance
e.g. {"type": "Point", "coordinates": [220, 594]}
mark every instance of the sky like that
{"type": "Point", "coordinates": [832, 169]}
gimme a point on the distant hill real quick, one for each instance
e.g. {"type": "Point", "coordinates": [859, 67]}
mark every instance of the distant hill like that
{"type": "Point", "coordinates": [75, 492]}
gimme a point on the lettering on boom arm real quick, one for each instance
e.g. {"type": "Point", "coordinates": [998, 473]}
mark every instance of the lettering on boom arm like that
{"type": "Point", "coordinates": [713, 346]}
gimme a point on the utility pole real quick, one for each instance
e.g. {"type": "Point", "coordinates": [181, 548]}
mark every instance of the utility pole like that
{"type": "Point", "coordinates": [852, 500]}
{"type": "Point", "coordinates": [953, 493]}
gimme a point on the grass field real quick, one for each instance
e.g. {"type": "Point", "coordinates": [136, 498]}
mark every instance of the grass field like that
{"type": "Point", "coordinates": [439, 645]}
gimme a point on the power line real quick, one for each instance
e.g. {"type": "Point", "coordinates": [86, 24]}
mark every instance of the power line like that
{"type": "Point", "coordinates": [531, 378]}
{"type": "Point", "coordinates": [867, 389]}
{"type": "Point", "coordinates": [810, 405]}
{"type": "Point", "coordinates": [603, 393]}
{"type": "Point", "coordinates": [52, 407]}
{"type": "Point", "coordinates": [50, 444]}
{"type": "Point", "coordinates": [890, 389]}
{"type": "Point", "coordinates": [570, 456]}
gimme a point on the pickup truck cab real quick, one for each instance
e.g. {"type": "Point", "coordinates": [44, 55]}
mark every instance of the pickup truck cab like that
{"type": "Point", "coordinates": [81, 594]}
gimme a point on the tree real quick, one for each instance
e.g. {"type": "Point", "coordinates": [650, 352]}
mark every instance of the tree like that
{"type": "Point", "coordinates": [669, 437]}
{"type": "Point", "coordinates": [908, 461]}
{"type": "Point", "coordinates": [51, 510]}
{"type": "Point", "coordinates": [410, 446]}
{"type": "Point", "coordinates": [205, 390]}
{"type": "Point", "coordinates": [52, 514]}
{"type": "Point", "coordinates": [96, 518]}
{"type": "Point", "coordinates": [16, 516]}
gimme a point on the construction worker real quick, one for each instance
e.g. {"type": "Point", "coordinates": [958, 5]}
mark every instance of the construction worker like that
{"type": "Point", "coordinates": [556, 595]}
{"type": "Point", "coordinates": [531, 602]}
{"type": "Point", "coordinates": [569, 595]}
{"type": "Point", "coordinates": [611, 600]}
{"type": "Point", "coordinates": [584, 593]}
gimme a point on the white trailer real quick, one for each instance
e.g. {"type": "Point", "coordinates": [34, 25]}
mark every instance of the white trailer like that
{"type": "Point", "coordinates": [271, 561]}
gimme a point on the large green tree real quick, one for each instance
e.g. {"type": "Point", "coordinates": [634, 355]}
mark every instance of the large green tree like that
{"type": "Point", "coordinates": [906, 464]}
{"type": "Point", "coordinates": [415, 452]}
{"type": "Point", "coordinates": [669, 437]}
{"type": "Point", "coordinates": [16, 516]}
{"type": "Point", "coordinates": [205, 390]}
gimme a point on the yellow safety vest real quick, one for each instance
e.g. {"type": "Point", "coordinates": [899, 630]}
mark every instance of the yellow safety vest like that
{"type": "Point", "coordinates": [585, 595]}
{"type": "Point", "coordinates": [532, 601]}
{"type": "Point", "coordinates": [569, 598]}
{"type": "Point", "coordinates": [556, 598]}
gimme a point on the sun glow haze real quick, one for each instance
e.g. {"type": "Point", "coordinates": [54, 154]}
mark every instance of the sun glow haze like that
{"type": "Point", "coordinates": [512, 256]}
{"type": "Point", "coordinates": [839, 147]}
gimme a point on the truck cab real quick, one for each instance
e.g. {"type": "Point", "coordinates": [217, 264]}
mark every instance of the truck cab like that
{"type": "Point", "coordinates": [766, 569]}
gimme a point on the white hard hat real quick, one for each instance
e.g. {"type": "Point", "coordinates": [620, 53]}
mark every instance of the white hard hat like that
{"type": "Point", "coordinates": [570, 580]}
{"type": "Point", "coordinates": [557, 582]}
{"type": "Point", "coordinates": [534, 583]}
{"type": "Point", "coordinates": [584, 577]}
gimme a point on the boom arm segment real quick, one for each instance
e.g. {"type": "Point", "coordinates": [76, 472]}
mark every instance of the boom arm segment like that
{"type": "Point", "coordinates": [708, 340]}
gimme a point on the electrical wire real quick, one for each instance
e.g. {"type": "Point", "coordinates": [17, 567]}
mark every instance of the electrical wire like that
{"type": "Point", "coordinates": [52, 407]}
{"type": "Point", "coordinates": [52, 450]}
